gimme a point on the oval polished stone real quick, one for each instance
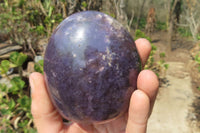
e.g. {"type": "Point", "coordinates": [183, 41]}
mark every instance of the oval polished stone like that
{"type": "Point", "coordinates": [91, 66]}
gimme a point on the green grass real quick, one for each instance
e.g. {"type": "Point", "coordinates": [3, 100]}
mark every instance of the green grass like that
{"type": "Point", "coordinates": [184, 32]}
{"type": "Point", "coordinates": [161, 25]}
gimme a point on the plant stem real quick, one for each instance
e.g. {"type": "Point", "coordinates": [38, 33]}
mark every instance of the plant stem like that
{"type": "Point", "coordinates": [7, 77]}
{"type": "Point", "coordinates": [20, 71]}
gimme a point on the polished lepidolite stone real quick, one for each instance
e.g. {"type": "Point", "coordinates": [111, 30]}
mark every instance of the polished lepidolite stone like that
{"type": "Point", "coordinates": [91, 66]}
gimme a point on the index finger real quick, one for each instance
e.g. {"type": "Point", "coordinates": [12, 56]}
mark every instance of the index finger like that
{"type": "Point", "coordinates": [144, 49]}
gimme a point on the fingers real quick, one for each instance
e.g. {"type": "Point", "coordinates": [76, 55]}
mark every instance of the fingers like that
{"type": "Point", "coordinates": [143, 99]}
{"type": "Point", "coordinates": [147, 80]}
{"type": "Point", "coordinates": [148, 83]}
{"type": "Point", "coordinates": [138, 112]}
{"type": "Point", "coordinates": [46, 118]}
{"type": "Point", "coordinates": [144, 49]}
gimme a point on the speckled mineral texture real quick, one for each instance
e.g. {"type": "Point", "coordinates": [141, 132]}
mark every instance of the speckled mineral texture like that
{"type": "Point", "coordinates": [91, 66]}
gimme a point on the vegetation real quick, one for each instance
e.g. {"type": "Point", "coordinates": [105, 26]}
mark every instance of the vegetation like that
{"type": "Point", "coordinates": [14, 99]}
{"type": "Point", "coordinates": [28, 21]}
{"type": "Point", "coordinates": [25, 22]}
{"type": "Point", "coordinates": [184, 32]}
{"type": "Point", "coordinates": [159, 67]}
{"type": "Point", "coordinates": [161, 25]}
{"type": "Point", "coordinates": [197, 59]}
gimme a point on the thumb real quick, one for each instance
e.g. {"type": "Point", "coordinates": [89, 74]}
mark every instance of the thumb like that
{"type": "Point", "coordinates": [138, 113]}
{"type": "Point", "coordinates": [46, 118]}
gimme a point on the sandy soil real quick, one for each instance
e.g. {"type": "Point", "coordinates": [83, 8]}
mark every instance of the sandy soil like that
{"type": "Point", "coordinates": [173, 111]}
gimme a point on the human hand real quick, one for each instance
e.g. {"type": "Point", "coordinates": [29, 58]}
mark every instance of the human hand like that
{"type": "Point", "coordinates": [48, 120]}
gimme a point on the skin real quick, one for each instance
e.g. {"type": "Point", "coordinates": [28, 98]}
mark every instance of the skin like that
{"type": "Point", "coordinates": [48, 120]}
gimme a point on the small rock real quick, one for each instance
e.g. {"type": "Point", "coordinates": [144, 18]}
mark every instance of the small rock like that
{"type": "Point", "coordinates": [42, 44]}
{"type": "Point", "coordinates": [10, 71]}
{"type": "Point", "coordinates": [38, 58]}
{"type": "Point", "coordinates": [30, 67]}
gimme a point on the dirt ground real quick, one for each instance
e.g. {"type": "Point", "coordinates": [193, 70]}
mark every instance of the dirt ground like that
{"type": "Point", "coordinates": [177, 107]}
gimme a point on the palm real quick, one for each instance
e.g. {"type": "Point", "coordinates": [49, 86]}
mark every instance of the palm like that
{"type": "Point", "coordinates": [48, 120]}
{"type": "Point", "coordinates": [115, 126]}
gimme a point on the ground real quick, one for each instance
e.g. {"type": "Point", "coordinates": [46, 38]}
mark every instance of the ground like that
{"type": "Point", "coordinates": [177, 105]}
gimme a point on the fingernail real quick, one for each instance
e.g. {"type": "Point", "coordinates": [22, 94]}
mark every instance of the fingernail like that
{"type": "Point", "coordinates": [31, 81]}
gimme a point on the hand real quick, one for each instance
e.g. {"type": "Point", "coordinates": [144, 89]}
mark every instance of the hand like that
{"type": "Point", "coordinates": [48, 120]}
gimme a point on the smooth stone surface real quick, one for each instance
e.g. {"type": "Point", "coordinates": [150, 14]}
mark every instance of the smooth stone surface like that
{"type": "Point", "coordinates": [91, 66]}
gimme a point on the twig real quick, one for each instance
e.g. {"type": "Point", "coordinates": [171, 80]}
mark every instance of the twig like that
{"type": "Point", "coordinates": [131, 20]}
{"type": "Point", "coordinates": [116, 7]}
{"type": "Point", "coordinates": [9, 49]}
{"type": "Point", "coordinates": [89, 4]}
{"type": "Point", "coordinates": [31, 48]}
{"type": "Point", "coordinates": [16, 122]}
{"type": "Point", "coordinates": [72, 6]}
{"type": "Point", "coordinates": [29, 123]}
{"type": "Point", "coordinates": [64, 10]}
{"type": "Point", "coordinates": [42, 8]}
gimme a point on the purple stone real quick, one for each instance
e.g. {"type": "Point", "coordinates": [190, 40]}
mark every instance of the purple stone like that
{"type": "Point", "coordinates": [91, 66]}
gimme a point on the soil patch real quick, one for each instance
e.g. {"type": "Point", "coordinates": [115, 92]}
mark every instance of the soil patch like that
{"type": "Point", "coordinates": [177, 107]}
